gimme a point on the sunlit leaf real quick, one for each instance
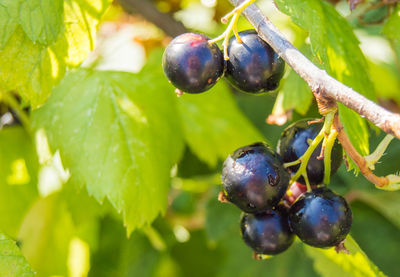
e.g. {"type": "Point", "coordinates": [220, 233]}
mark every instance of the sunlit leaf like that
{"type": "Point", "coordinates": [330, 263]}
{"type": "Point", "coordinates": [119, 134]}
{"type": "Point", "coordinates": [50, 37]}
{"type": "Point", "coordinates": [12, 263]}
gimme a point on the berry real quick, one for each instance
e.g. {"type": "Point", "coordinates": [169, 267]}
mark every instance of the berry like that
{"type": "Point", "coordinates": [254, 178]}
{"type": "Point", "coordinates": [253, 66]}
{"type": "Point", "coordinates": [268, 232]}
{"type": "Point", "coordinates": [321, 218]}
{"type": "Point", "coordinates": [192, 64]}
{"type": "Point", "coordinates": [294, 143]}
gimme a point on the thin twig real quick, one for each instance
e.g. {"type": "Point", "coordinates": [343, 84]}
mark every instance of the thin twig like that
{"type": "Point", "coordinates": [356, 157]}
{"type": "Point", "coordinates": [317, 78]}
{"type": "Point", "coordinates": [149, 11]}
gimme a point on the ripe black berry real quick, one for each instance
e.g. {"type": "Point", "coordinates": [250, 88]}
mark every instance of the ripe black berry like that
{"type": "Point", "coordinates": [268, 232]}
{"type": "Point", "coordinates": [321, 218]}
{"type": "Point", "coordinates": [293, 144]}
{"type": "Point", "coordinates": [191, 64]}
{"type": "Point", "coordinates": [253, 66]}
{"type": "Point", "coordinates": [254, 178]}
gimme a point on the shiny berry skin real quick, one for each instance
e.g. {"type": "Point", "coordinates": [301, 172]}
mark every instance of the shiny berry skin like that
{"type": "Point", "coordinates": [321, 218]}
{"type": "Point", "coordinates": [268, 232]}
{"type": "Point", "coordinates": [253, 66]}
{"type": "Point", "coordinates": [191, 64]}
{"type": "Point", "coordinates": [294, 143]}
{"type": "Point", "coordinates": [254, 178]}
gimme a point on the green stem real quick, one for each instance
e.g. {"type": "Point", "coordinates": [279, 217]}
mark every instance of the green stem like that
{"type": "Point", "coordinates": [373, 158]}
{"type": "Point", "coordinates": [325, 131]}
{"type": "Point", "coordinates": [330, 141]}
{"type": "Point", "coordinates": [232, 27]}
{"type": "Point", "coordinates": [308, 185]}
{"type": "Point", "coordinates": [306, 156]}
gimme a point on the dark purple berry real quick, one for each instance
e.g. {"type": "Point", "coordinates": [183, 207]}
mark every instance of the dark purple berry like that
{"type": "Point", "coordinates": [321, 218]}
{"type": "Point", "coordinates": [254, 178]}
{"type": "Point", "coordinates": [253, 66]}
{"type": "Point", "coordinates": [268, 232]}
{"type": "Point", "coordinates": [192, 64]}
{"type": "Point", "coordinates": [294, 142]}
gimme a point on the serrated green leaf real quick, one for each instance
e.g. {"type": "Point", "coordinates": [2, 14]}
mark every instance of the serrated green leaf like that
{"type": "Point", "coordinates": [337, 49]}
{"type": "Point", "coordinates": [119, 135]}
{"type": "Point", "coordinates": [329, 263]}
{"type": "Point", "coordinates": [33, 69]}
{"type": "Point", "coordinates": [18, 178]}
{"type": "Point", "coordinates": [12, 263]}
{"type": "Point", "coordinates": [213, 124]}
{"type": "Point", "coordinates": [297, 94]}
{"type": "Point", "coordinates": [41, 19]}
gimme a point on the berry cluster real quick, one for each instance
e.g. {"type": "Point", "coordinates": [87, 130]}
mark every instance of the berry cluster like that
{"type": "Point", "coordinates": [193, 64]}
{"type": "Point", "coordinates": [255, 179]}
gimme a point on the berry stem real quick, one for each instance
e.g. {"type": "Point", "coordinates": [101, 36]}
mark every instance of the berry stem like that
{"type": "Point", "coordinates": [308, 185]}
{"type": "Point", "coordinates": [324, 134]}
{"type": "Point", "coordinates": [330, 141]}
{"type": "Point", "coordinates": [306, 156]}
{"type": "Point", "coordinates": [373, 158]}
{"type": "Point", "coordinates": [390, 182]}
{"type": "Point", "coordinates": [289, 164]}
{"type": "Point", "coordinates": [232, 27]}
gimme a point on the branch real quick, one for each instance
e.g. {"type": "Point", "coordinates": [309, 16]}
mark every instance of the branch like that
{"type": "Point", "coordinates": [318, 79]}
{"type": "Point", "coordinates": [147, 9]}
{"type": "Point", "coordinates": [356, 157]}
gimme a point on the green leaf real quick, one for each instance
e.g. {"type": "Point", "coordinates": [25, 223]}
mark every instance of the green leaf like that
{"type": "Point", "coordinates": [354, 124]}
{"type": "Point", "coordinates": [297, 94]}
{"type": "Point", "coordinates": [119, 134]}
{"type": "Point", "coordinates": [213, 124]}
{"type": "Point", "coordinates": [18, 177]}
{"type": "Point", "coordinates": [387, 203]}
{"type": "Point", "coordinates": [119, 256]}
{"type": "Point", "coordinates": [330, 263]}
{"type": "Point", "coordinates": [376, 236]}
{"type": "Point", "coordinates": [46, 234]}
{"type": "Point", "coordinates": [204, 260]}
{"type": "Point", "coordinates": [239, 261]}
{"type": "Point", "coordinates": [382, 73]}
{"type": "Point", "coordinates": [8, 19]}
{"type": "Point", "coordinates": [337, 49]}
{"type": "Point", "coordinates": [12, 263]}
{"type": "Point", "coordinates": [41, 19]}
{"type": "Point", "coordinates": [392, 29]}
{"type": "Point", "coordinates": [33, 69]}
{"type": "Point", "coordinates": [221, 218]}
